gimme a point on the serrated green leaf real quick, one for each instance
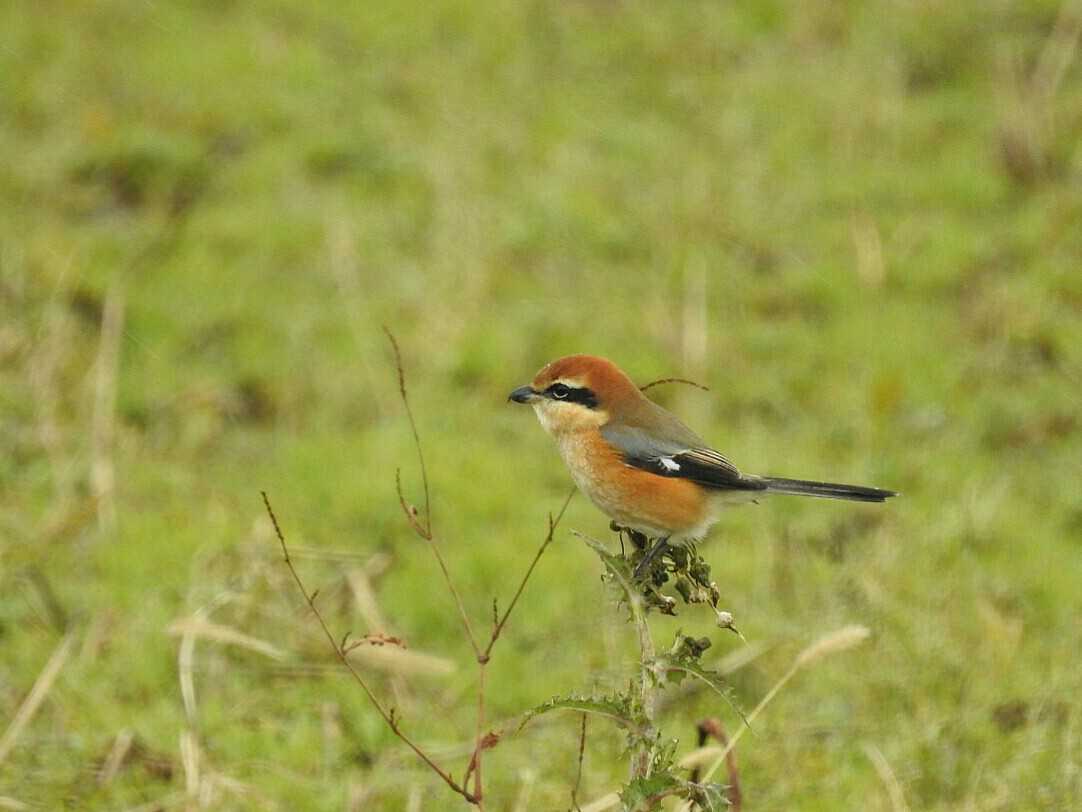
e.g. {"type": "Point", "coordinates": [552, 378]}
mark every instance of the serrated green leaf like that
{"type": "Point", "coordinates": [712, 678]}
{"type": "Point", "coordinates": [643, 794]}
{"type": "Point", "coordinates": [710, 797]}
{"type": "Point", "coordinates": [616, 708]}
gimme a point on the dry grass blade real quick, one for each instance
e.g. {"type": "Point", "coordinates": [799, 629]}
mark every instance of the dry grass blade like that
{"type": "Point", "coordinates": [186, 658]}
{"type": "Point", "coordinates": [117, 755]}
{"type": "Point", "coordinates": [364, 596]}
{"type": "Point", "coordinates": [739, 658]}
{"type": "Point", "coordinates": [189, 759]}
{"type": "Point", "coordinates": [413, 800]}
{"type": "Point", "coordinates": [887, 776]}
{"type": "Point", "coordinates": [103, 424]}
{"type": "Point", "coordinates": [843, 639]}
{"type": "Point", "coordinates": [195, 627]}
{"type": "Point", "coordinates": [394, 660]}
{"type": "Point", "coordinates": [699, 757]}
{"type": "Point", "coordinates": [361, 587]}
{"type": "Point", "coordinates": [299, 551]}
{"type": "Point", "coordinates": [522, 803]}
{"type": "Point", "coordinates": [42, 685]}
{"type": "Point", "coordinates": [357, 796]}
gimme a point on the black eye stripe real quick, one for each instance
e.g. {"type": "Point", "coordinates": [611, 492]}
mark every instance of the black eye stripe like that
{"type": "Point", "coordinates": [573, 394]}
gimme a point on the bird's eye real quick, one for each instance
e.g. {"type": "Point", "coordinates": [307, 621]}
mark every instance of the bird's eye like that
{"type": "Point", "coordinates": [559, 391]}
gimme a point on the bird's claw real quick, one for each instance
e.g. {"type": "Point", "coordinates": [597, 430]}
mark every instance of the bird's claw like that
{"type": "Point", "coordinates": [643, 565]}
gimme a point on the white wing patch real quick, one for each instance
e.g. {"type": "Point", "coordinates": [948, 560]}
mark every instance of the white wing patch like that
{"type": "Point", "coordinates": [669, 464]}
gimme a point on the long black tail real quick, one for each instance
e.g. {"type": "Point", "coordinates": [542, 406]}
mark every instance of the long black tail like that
{"type": "Point", "coordinates": [826, 490]}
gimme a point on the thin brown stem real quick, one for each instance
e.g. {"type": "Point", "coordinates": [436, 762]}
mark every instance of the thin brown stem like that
{"type": "Point", "coordinates": [578, 776]}
{"type": "Point", "coordinates": [478, 783]}
{"type": "Point", "coordinates": [413, 427]}
{"type": "Point", "coordinates": [643, 757]}
{"type": "Point", "coordinates": [388, 715]}
{"type": "Point", "coordinates": [554, 522]}
{"type": "Point", "coordinates": [660, 381]}
{"type": "Point", "coordinates": [425, 534]}
{"type": "Point", "coordinates": [424, 529]}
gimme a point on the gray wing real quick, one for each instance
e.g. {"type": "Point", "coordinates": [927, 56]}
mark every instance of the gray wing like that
{"type": "Point", "coordinates": [684, 456]}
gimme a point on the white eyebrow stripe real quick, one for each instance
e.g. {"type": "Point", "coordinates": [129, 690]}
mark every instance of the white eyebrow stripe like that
{"type": "Point", "coordinates": [669, 464]}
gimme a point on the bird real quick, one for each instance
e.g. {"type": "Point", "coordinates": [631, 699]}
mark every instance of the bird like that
{"type": "Point", "coordinates": [639, 464]}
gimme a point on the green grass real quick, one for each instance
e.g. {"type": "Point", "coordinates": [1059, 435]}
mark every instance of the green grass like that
{"type": "Point", "coordinates": [820, 213]}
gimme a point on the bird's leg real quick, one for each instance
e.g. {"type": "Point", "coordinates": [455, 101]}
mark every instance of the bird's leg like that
{"type": "Point", "coordinates": [655, 551]}
{"type": "Point", "coordinates": [638, 539]}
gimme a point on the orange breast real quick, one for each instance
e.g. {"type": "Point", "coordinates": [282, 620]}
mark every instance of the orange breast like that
{"type": "Point", "coordinates": [633, 497]}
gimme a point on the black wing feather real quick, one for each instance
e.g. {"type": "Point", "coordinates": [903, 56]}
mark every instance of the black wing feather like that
{"type": "Point", "coordinates": [674, 459]}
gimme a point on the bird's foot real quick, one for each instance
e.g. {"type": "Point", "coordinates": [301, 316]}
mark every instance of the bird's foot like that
{"type": "Point", "coordinates": [640, 540]}
{"type": "Point", "coordinates": [644, 565]}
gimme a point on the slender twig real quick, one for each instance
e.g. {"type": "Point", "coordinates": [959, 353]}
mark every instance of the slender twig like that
{"type": "Point", "coordinates": [424, 530]}
{"type": "Point", "coordinates": [476, 759]}
{"type": "Point", "coordinates": [660, 381]}
{"type": "Point", "coordinates": [387, 715]}
{"type": "Point", "coordinates": [413, 426]}
{"type": "Point", "coordinates": [42, 685]}
{"type": "Point", "coordinates": [578, 775]}
{"type": "Point", "coordinates": [497, 629]}
{"type": "Point", "coordinates": [434, 547]}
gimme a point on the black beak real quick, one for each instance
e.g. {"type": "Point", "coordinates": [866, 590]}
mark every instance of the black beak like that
{"type": "Point", "coordinates": [524, 394]}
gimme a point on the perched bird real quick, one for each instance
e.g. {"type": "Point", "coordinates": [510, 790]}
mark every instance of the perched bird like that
{"type": "Point", "coordinates": [638, 463]}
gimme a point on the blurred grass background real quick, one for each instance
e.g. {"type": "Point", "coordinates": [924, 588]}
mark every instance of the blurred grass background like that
{"type": "Point", "coordinates": [856, 222]}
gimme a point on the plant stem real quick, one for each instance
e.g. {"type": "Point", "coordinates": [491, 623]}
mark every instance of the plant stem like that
{"type": "Point", "coordinates": [643, 756]}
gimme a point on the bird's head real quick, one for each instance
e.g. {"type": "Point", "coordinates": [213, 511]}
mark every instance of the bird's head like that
{"type": "Point", "coordinates": [577, 392]}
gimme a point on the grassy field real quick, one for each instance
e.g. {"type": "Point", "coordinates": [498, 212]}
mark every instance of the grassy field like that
{"type": "Point", "coordinates": [857, 223]}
